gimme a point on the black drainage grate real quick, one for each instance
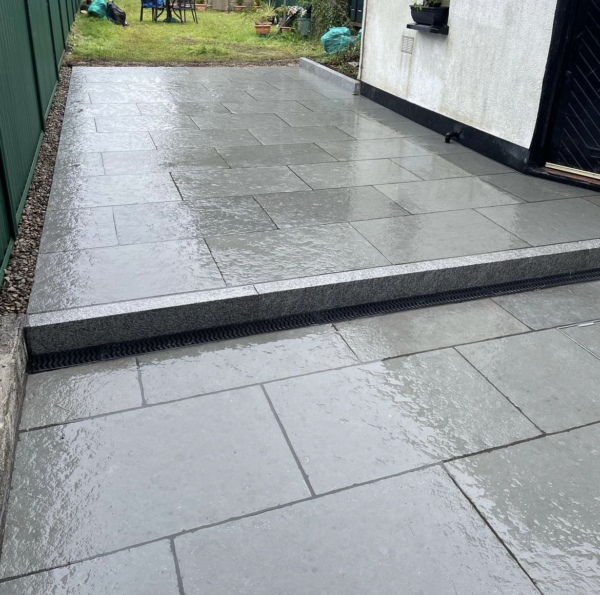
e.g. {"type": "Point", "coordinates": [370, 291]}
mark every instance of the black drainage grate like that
{"type": "Point", "coordinates": [65, 359]}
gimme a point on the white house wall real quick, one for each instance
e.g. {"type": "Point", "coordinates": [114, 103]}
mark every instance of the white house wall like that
{"type": "Point", "coordinates": [486, 73]}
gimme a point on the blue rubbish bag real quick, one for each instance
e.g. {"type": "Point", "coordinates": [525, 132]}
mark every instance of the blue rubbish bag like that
{"type": "Point", "coordinates": [337, 39]}
{"type": "Point", "coordinates": [97, 9]}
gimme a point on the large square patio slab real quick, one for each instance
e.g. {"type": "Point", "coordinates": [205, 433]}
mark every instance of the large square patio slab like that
{"type": "Point", "coordinates": [226, 195]}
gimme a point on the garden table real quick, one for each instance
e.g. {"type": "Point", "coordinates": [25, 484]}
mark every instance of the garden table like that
{"type": "Point", "coordinates": [170, 18]}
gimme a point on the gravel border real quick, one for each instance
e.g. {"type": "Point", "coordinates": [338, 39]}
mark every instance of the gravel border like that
{"type": "Point", "coordinates": [99, 63]}
{"type": "Point", "coordinates": [18, 278]}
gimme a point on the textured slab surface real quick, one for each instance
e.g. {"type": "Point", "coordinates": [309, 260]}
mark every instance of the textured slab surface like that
{"type": "Point", "coordinates": [389, 537]}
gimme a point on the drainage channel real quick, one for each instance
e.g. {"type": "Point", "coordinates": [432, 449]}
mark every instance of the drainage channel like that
{"type": "Point", "coordinates": [66, 359]}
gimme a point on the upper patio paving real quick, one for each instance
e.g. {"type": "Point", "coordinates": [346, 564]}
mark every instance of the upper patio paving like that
{"type": "Point", "coordinates": [215, 195]}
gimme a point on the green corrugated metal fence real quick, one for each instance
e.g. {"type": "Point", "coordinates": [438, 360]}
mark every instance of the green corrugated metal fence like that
{"type": "Point", "coordinates": [33, 37]}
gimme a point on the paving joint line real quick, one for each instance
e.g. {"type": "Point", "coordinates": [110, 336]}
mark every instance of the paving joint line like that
{"type": "Point", "coordinates": [177, 569]}
{"type": "Point", "coordinates": [141, 383]}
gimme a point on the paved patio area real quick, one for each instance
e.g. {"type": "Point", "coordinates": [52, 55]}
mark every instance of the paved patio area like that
{"type": "Point", "coordinates": [172, 183]}
{"type": "Point", "coordinates": [451, 450]}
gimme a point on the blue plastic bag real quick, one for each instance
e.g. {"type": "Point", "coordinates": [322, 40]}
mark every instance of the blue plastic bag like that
{"type": "Point", "coordinates": [337, 39]}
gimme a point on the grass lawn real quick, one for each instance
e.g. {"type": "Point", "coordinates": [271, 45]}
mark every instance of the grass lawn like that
{"type": "Point", "coordinates": [218, 37]}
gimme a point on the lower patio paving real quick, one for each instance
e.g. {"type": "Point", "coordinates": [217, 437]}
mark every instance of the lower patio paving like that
{"type": "Point", "coordinates": [443, 450]}
{"type": "Point", "coordinates": [233, 189]}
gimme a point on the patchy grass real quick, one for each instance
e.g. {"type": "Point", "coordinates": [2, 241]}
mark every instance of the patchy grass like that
{"type": "Point", "coordinates": [218, 37]}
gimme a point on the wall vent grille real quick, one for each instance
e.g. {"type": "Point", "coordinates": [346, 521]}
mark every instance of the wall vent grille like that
{"type": "Point", "coordinates": [408, 43]}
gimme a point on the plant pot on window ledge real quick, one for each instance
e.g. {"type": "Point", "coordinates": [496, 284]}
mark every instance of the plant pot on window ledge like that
{"type": "Point", "coordinates": [430, 15]}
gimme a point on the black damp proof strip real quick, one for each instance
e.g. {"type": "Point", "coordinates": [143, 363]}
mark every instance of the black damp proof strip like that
{"type": "Point", "coordinates": [77, 357]}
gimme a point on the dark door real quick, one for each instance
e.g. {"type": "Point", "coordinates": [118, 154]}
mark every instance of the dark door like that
{"type": "Point", "coordinates": [575, 142]}
{"type": "Point", "coordinates": [356, 10]}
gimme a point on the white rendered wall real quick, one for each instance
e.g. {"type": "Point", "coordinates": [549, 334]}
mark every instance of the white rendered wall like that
{"type": "Point", "coordinates": [487, 73]}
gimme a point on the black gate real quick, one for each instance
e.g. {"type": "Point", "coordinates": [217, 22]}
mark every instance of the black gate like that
{"type": "Point", "coordinates": [575, 141]}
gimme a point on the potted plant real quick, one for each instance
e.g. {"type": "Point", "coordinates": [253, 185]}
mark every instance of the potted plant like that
{"type": "Point", "coordinates": [265, 19]}
{"type": "Point", "coordinates": [430, 12]}
{"type": "Point", "coordinates": [200, 7]}
{"type": "Point", "coordinates": [239, 5]}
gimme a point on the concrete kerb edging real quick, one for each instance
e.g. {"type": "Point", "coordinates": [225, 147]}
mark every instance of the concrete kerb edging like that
{"type": "Point", "coordinates": [13, 366]}
{"type": "Point", "coordinates": [154, 317]}
{"type": "Point", "coordinates": [331, 76]}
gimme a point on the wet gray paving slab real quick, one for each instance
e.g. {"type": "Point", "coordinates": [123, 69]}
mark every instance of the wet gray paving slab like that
{"type": "Point", "coordinates": [161, 222]}
{"type": "Point", "coordinates": [532, 189]}
{"type": "Point", "coordinates": [146, 570]}
{"type": "Point", "coordinates": [555, 306]}
{"type": "Point", "coordinates": [196, 185]}
{"type": "Point", "coordinates": [436, 235]}
{"type": "Point", "coordinates": [268, 156]}
{"type": "Point", "coordinates": [446, 195]}
{"type": "Point", "coordinates": [75, 165]}
{"type": "Point", "coordinates": [95, 486]}
{"type": "Point", "coordinates": [245, 121]}
{"type": "Point", "coordinates": [94, 110]}
{"type": "Point", "coordinates": [178, 139]}
{"type": "Point", "coordinates": [104, 275]}
{"type": "Point", "coordinates": [181, 108]}
{"type": "Point", "coordinates": [363, 423]}
{"type": "Point", "coordinates": [265, 107]}
{"type": "Point", "coordinates": [141, 123]}
{"type": "Point", "coordinates": [549, 222]}
{"type": "Point", "coordinates": [354, 173]}
{"type": "Point", "coordinates": [372, 149]}
{"type": "Point", "coordinates": [552, 380]}
{"type": "Point", "coordinates": [431, 167]}
{"type": "Point", "coordinates": [541, 499]}
{"type": "Point", "coordinates": [289, 209]}
{"type": "Point", "coordinates": [300, 135]}
{"type": "Point", "coordinates": [77, 229]}
{"type": "Point", "coordinates": [104, 191]}
{"type": "Point", "coordinates": [435, 143]}
{"type": "Point", "coordinates": [402, 333]}
{"type": "Point", "coordinates": [151, 162]}
{"type": "Point", "coordinates": [84, 391]}
{"type": "Point", "coordinates": [587, 335]}
{"type": "Point", "coordinates": [412, 534]}
{"type": "Point", "coordinates": [290, 253]}
{"type": "Point", "coordinates": [108, 141]}
{"type": "Point", "coordinates": [230, 364]}
{"type": "Point", "coordinates": [475, 164]}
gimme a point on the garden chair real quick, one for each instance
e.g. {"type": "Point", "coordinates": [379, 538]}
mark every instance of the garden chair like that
{"type": "Point", "coordinates": [181, 7]}
{"type": "Point", "coordinates": [157, 7]}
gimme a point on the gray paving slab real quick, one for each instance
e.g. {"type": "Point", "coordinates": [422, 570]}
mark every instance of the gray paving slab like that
{"type": "Point", "coordinates": [436, 144]}
{"type": "Point", "coordinates": [436, 235]}
{"type": "Point", "coordinates": [268, 156]}
{"type": "Point", "coordinates": [84, 391]}
{"type": "Point", "coordinates": [112, 482]}
{"type": "Point", "coordinates": [76, 125]}
{"type": "Point", "coordinates": [181, 108]}
{"type": "Point", "coordinates": [431, 167]}
{"type": "Point", "coordinates": [300, 135]}
{"type": "Point", "coordinates": [549, 222]}
{"type": "Point", "coordinates": [549, 377]}
{"type": "Point", "coordinates": [143, 570]}
{"type": "Point", "coordinates": [446, 195]}
{"type": "Point", "coordinates": [364, 129]}
{"type": "Point", "coordinates": [93, 109]}
{"type": "Point", "coordinates": [397, 123]}
{"type": "Point", "coordinates": [131, 96]}
{"type": "Point", "coordinates": [594, 200]}
{"type": "Point", "coordinates": [291, 94]}
{"type": "Point", "coordinates": [109, 141]}
{"type": "Point", "coordinates": [428, 328]}
{"type": "Point", "coordinates": [246, 121]}
{"type": "Point", "coordinates": [335, 205]}
{"type": "Point", "coordinates": [541, 499]}
{"type": "Point", "coordinates": [587, 335]}
{"type": "Point", "coordinates": [555, 306]}
{"type": "Point", "coordinates": [195, 185]}
{"type": "Point", "coordinates": [338, 118]}
{"type": "Point", "coordinates": [75, 165]}
{"type": "Point", "coordinates": [291, 253]}
{"type": "Point", "coordinates": [352, 104]}
{"type": "Point", "coordinates": [352, 173]}
{"type": "Point", "coordinates": [372, 149]}
{"type": "Point", "coordinates": [362, 423]}
{"type": "Point", "coordinates": [106, 191]}
{"type": "Point", "coordinates": [265, 107]}
{"type": "Point", "coordinates": [140, 162]}
{"type": "Point", "coordinates": [532, 189]}
{"type": "Point", "coordinates": [411, 534]}
{"type": "Point", "coordinates": [114, 123]}
{"type": "Point", "coordinates": [105, 275]}
{"type": "Point", "coordinates": [161, 222]}
{"type": "Point", "coordinates": [192, 139]}
{"type": "Point", "coordinates": [230, 364]}
{"type": "Point", "coordinates": [76, 229]}
{"type": "Point", "coordinates": [193, 93]}
{"type": "Point", "coordinates": [476, 164]}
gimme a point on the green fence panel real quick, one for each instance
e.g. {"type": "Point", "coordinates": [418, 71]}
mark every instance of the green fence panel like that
{"type": "Point", "coordinates": [20, 114]}
{"type": "Point", "coordinates": [58, 34]}
{"type": "Point", "coordinates": [43, 52]}
{"type": "Point", "coordinates": [6, 240]}
{"type": "Point", "coordinates": [64, 18]}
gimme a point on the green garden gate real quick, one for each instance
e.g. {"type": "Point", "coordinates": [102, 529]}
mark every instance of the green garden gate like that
{"type": "Point", "coordinates": [33, 38]}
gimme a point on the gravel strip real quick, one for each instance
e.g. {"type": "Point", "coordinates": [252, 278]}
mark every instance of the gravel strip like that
{"type": "Point", "coordinates": [18, 279]}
